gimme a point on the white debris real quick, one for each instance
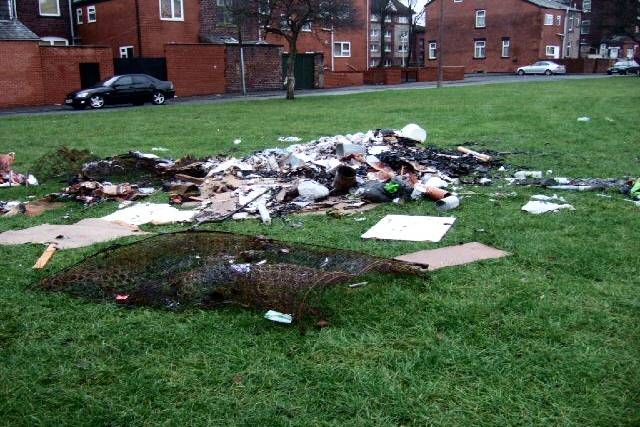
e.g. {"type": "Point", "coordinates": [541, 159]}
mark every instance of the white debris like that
{"type": "Point", "coordinates": [237, 141]}
{"type": "Point", "coordinates": [527, 174]}
{"type": "Point", "coordinates": [537, 207]}
{"type": "Point", "coordinates": [413, 131]}
{"type": "Point", "coordinates": [276, 316]}
{"type": "Point", "coordinates": [410, 228]}
{"type": "Point", "coordinates": [159, 149]}
{"type": "Point", "coordinates": [584, 119]}
{"type": "Point", "coordinates": [312, 190]}
{"type": "Point", "coordinates": [545, 198]}
{"type": "Point", "coordinates": [289, 139]}
{"type": "Point", "coordinates": [155, 213]}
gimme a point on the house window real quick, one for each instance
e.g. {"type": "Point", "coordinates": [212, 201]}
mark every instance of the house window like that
{"type": "Point", "coordinates": [480, 49]}
{"type": "Point", "coordinates": [630, 53]}
{"type": "Point", "coordinates": [567, 52]}
{"type": "Point", "coordinates": [306, 27]}
{"type": "Point", "coordinates": [585, 28]}
{"type": "Point", "coordinates": [558, 20]}
{"type": "Point", "coordinates": [342, 49]}
{"type": "Point", "coordinates": [433, 50]}
{"type": "Point", "coordinates": [387, 19]}
{"type": "Point", "coordinates": [373, 47]}
{"type": "Point", "coordinates": [552, 51]}
{"type": "Point", "coordinates": [548, 19]}
{"type": "Point", "coordinates": [481, 18]}
{"type": "Point", "coordinates": [387, 34]}
{"type": "Point", "coordinates": [506, 47]}
{"type": "Point", "coordinates": [373, 63]}
{"type": "Point", "coordinates": [403, 20]}
{"type": "Point", "coordinates": [404, 36]}
{"type": "Point", "coordinates": [375, 33]}
{"type": "Point", "coordinates": [374, 18]}
{"type": "Point", "coordinates": [387, 63]}
{"type": "Point", "coordinates": [91, 14]}
{"type": "Point", "coordinates": [171, 10]}
{"type": "Point", "coordinates": [570, 24]}
{"type": "Point", "coordinates": [403, 48]}
{"type": "Point", "coordinates": [79, 19]}
{"type": "Point", "coordinates": [126, 51]}
{"type": "Point", "coordinates": [387, 47]}
{"type": "Point", "coordinates": [586, 6]}
{"type": "Point", "coordinates": [49, 7]}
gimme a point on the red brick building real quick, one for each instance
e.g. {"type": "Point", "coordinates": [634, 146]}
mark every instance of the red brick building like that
{"type": "Point", "coordinates": [501, 35]}
{"type": "Point", "coordinates": [607, 32]}
{"type": "Point", "coordinates": [48, 19]}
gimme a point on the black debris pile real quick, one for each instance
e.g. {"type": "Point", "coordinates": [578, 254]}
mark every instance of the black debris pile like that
{"type": "Point", "coordinates": [211, 269]}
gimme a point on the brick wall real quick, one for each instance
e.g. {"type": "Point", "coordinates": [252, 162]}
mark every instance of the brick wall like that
{"type": "Point", "coordinates": [45, 26]}
{"type": "Point", "coordinates": [21, 76]}
{"type": "Point", "coordinates": [196, 69]}
{"type": "Point", "coordinates": [383, 76]}
{"type": "Point", "coordinates": [263, 68]}
{"type": "Point", "coordinates": [115, 25]}
{"type": "Point", "coordinates": [61, 68]}
{"type": "Point", "coordinates": [430, 74]}
{"type": "Point", "coordinates": [520, 21]}
{"type": "Point", "coordinates": [211, 23]}
{"type": "Point", "coordinates": [343, 79]}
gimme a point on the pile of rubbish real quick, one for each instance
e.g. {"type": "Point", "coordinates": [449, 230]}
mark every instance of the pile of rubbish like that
{"type": "Point", "coordinates": [342, 173]}
{"type": "Point", "coordinates": [9, 177]}
{"type": "Point", "coordinates": [212, 269]}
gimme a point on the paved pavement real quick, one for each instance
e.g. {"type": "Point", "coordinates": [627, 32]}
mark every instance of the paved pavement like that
{"type": "Point", "coordinates": [470, 80]}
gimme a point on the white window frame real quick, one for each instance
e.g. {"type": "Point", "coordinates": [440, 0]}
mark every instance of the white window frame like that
{"type": "Point", "coordinates": [433, 50]}
{"type": "Point", "coordinates": [387, 34]}
{"type": "Point", "coordinates": [558, 20]}
{"type": "Point", "coordinates": [404, 36]}
{"type": "Point", "coordinates": [479, 45]}
{"type": "Point", "coordinates": [307, 27]}
{"type": "Point", "coordinates": [388, 63]}
{"type": "Point", "coordinates": [403, 20]}
{"type": "Point", "coordinates": [551, 51]}
{"type": "Point", "coordinates": [91, 10]}
{"type": "Point", "coordinates": [125, 48]}
{"type": "Point", "coordinates": [373, 62]}
{"type": "Point", "coordinates": [387, 19]}
{"type": "Point", "coordinates": [374, 18]}
{"type": "Point", "coordinates": [173, 11]}
{"type": "Point", "coordinates": [585, 23]}
{"type": "Point", "coordinates": [79, 16]}
{"type": "Point", "coordinates": [373, 47]}
{"type": "Point", "coordinates": [506, 44]}
{"type": "Point", "coordinates": [375, 33]}
{"type": "Point", "coordinates": [548, 19]}
{"type": "Point", "coordinates": [403, 48]}
{"type": "Point", "coordinates": [51, 40]}
{"type": "Point", "coordinates": [586, 6]}
{"type": "Point", "coordinates": [481, 18]}
{"type": "Point", "coordinates": [387, 47]}
{"type": "Point", "coordinates": [344, 53]}
{"type": "Point", "coordinates": [49, 14]}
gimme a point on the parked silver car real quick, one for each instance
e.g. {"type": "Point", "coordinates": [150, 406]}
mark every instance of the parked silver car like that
{"type": "Point", "coordinates": [542, 67]}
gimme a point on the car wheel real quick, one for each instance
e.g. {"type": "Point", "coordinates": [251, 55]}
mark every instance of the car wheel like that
{"type": "Point", "coordinates": [158, 98]}
{"type": "Point", "coordinates": [610, 72]}
{"type": "Point", "coordinates": [96, 101]}
{"type": "Point", "coordinates": [521, 72]}
{"type": "Point", "coordinates": [547, 72]}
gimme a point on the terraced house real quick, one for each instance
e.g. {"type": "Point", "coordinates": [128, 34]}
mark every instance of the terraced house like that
{"type": "Point", "coordinates": [501, 35]}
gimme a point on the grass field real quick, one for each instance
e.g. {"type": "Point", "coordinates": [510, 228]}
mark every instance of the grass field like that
{"type": "Point", "coordinates": [548, 336]}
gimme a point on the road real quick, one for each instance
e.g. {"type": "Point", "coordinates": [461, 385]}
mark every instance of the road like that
{"type": "Point", "coordinates": [470, 80]}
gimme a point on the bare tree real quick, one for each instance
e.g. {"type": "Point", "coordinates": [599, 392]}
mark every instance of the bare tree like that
{"type": "Point", "coordinates": [415, 20]}
{"type": "Point", "coordinates": [287, 18]}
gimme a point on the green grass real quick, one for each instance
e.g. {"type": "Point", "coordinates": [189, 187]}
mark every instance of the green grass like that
{"type": "Point", "coordinates": [548, 336]}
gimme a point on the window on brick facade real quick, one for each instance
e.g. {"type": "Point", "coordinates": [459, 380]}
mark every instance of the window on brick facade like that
{"type": "Point", "coordinates": [548, 19]}
{"type": "Point", "coordinates": [403, 20]}
{"type": "Point", "coordinates": [126, 51]}
{"type": "Point", "coordinates": [79, 19]}
{"type": "Point", "coordinates": [552, 51]}
{"type": "Point", "coordinates": [306, 27]}
{"type": "Point", "coordinates": [403, 48]}
{"type": "Point", "coordinates": [387, 47]}
{"type": "Point", "coordinates": [480, 49]}
{"type": "Point", "coordinates": [433, 50]}
{"type": "Point", "coordinates": [91, 14]}
{"type": "Point", "coordinates": [373, 47]}
{"type": "Point", "coordinates": [49, 7]}
{"type": "Point", "coordinates": [567, 52]}
{"type": "Point", "coordinates": [585, 28]}
{"type": "Point", "coordinates": [387, 19]}
{"type": "Point", "coordinates": [171, 10]}
{"type": "Point", "coordinates": [404, 36]}
{"type": "Point", "coordinates": [558, 20]}
{"type": "Point", "coordinates": [481, 18]}
{"type": "Point", "coordinates": [506, 47]}
{"type": "Point", "coordinates": [374, 18]}
{"type": "Point", "coordinates": [387, 34]}
{"type": "Point", "coordinates": [586, 6]}
{"type": "Point", "coordinates": [570, 24]}
{"type": "Point", "coordinates": [342, 49]}
{"type": "Point", "coordinates": [54, 41]}
{"type": "Point", "coordinates": [387, 63]}
{"type": "Point", "coordinates": [375, 33]}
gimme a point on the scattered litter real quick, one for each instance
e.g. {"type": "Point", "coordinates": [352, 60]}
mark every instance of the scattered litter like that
{"type": "Point", "coordinates": [520, 175]}
{"type": "Point", "coordinates": [410, 228]}
{"type": "Point", "coordinates": [359, 284]}
{"type": "Point", "coordinates": [120, 297]}
{"type": "Point", "coordinates": [154, 213]}
{"type": "Point", "coordinates": [448, 203]}
{"type": "Point", "coordinates": [9, 177]}
{"type": "Point", "coordinates": [452, 255]}
{"type": "Point", "coordinates": [635, 190]}
{"type": "Point", "coordinates": [289, 139]}
{"type": "Point", "coordinates": [545, 198]}
{"type": "Point", "coordinates": [276, 316]}
{"type": "Point", "coordinates": [479, 156]}
{"type": "Point", "coordinates": [159, 149]}
{"type": "Point", "coordinates": [46, 256]}
{"type": "Point", "coordinates": [414, 132]}
{"type": "Point", "coordinates": [584, 119]}
{"type": "Point", "coordinates": [539, 206]}
{"type": "Point", "coordinates": [237, 141]}
{"type": "Point", "coordinates": [609, 119]}
{"type": "Point", "coordinates": [83, 233]}
{"type": "Point", "coordinates": [573, 187]}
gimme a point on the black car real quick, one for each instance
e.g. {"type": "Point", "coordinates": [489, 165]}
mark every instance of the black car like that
{"type": "Point", "coordinates": [124, 89]}
{"type": "Point", "coordinates": [624, 67]}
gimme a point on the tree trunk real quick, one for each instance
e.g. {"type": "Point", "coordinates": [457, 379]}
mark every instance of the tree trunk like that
{"type": "Point", "coordinates": [291, 66]}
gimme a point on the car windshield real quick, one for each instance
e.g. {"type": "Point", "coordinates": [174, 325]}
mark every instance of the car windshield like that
{"type": "Point", "coordinates": [108, 82]}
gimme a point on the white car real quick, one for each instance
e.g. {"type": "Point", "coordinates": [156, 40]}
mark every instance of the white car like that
{"type": "Point", "coordinates": [542, 67]}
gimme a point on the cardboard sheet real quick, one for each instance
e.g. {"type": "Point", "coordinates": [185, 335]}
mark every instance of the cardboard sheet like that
{"type": "Point", "coordinates": [453, 255]}
{"type": "Point", "coordinates": [83, 233]}
{"type": "Point", "coordinates": [410, 228]}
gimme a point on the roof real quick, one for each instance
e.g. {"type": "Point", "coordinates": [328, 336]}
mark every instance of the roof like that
{"type": "Point", "coordinates": [551, 4]}
{"type": "Point", "coordinates": [16, 30]}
